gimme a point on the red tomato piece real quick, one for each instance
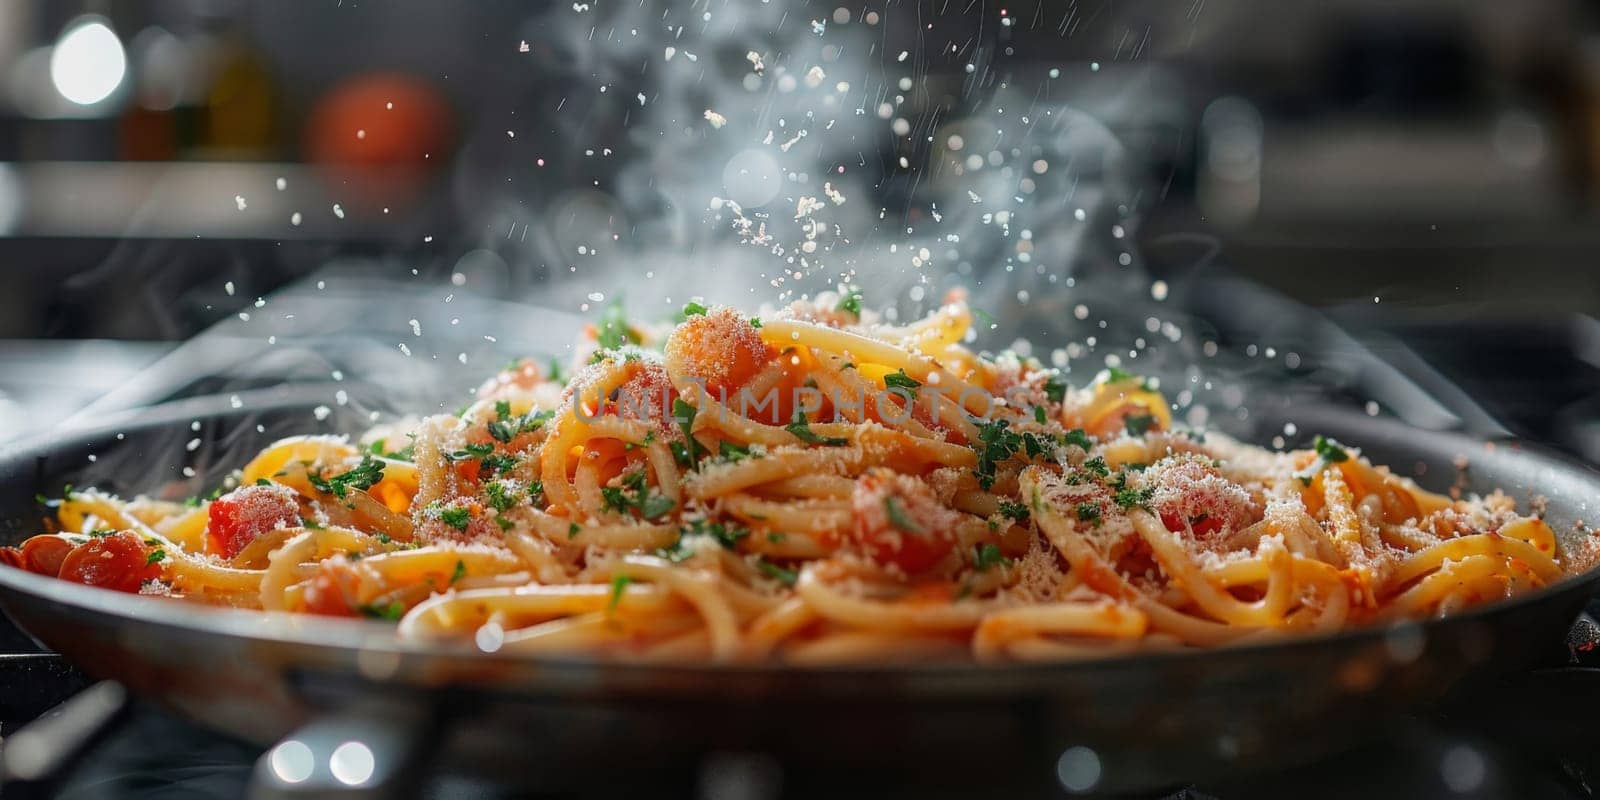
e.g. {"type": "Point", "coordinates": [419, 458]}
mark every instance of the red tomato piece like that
{"type": "Point", "coordinates": [120, 561]}
{"type": "Point", "coordinates": [238, 517]}
{"type": "Point", "coordinates": [1202, 525]}
{"type": "Point", "coordinates": [899, 521]}
{"type": "Point", "coordinates": [43, 554]}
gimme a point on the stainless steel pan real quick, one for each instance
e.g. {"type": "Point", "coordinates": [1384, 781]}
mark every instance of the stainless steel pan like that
{"type": "Point", "coordinates": [1121, 723]}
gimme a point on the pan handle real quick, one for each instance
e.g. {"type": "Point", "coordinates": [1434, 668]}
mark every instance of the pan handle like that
{"type": "Point", "coordinates": [34, 758]}
{"type": "Point", "coordinates": [372, 750]}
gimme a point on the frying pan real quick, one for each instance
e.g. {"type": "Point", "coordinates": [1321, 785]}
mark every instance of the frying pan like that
{"type": "Point", "coordinates": [1122, 723]}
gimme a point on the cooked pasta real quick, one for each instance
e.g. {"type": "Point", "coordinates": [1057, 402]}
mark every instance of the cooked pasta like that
{"type": "Point", "coordinates": [813, 487]}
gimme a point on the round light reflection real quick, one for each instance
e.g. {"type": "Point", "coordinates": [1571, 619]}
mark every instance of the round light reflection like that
{"type": "Point", "coordinates": [292, 761]}
{"type": "Point", "coordinates": [352, 763]}
{"type": "Point", "coordinates": [1078, 769]}
{"type": "Point", "coordinates": [88, 63]}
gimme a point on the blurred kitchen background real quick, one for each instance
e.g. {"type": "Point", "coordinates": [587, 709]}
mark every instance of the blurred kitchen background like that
{"type": "Point", "coordinates": [1399, 197]}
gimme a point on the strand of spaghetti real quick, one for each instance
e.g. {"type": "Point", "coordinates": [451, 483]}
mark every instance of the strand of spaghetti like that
{"type": "Point", "coordinates": [425, 563]}
{"type": "Point", "coordinates": [1440, 584]}
{"type": "Point", "coordinates": [591, 632]}
{"type": "Point", "coordinates": [283, 569]}
{"type": "Point", "coordinates": [539, 553]}
{"type": "Point", "coordinates": [632, 536]}
{"type": "Point", "coordinates": [835, 605]}
{"type": "Point", "coordinates": [715, 480]}
{"type": "Point", "coordinates": [789, 545]}
{"type": "Point", "coordinates": [701, 592]}
{"type": "Point", "coordinates": [666, 471]}
{"type": "Point", "coordinates": [1180, 567]}
{"type": "Point", "coordinates": [782, 332]}
{"type": "Point", "coordinates": [803, 516]}
{"type": "Point", "coordinates": [812, 486]}
{"type": "Point", "coordinates": [1481, 544]}
{"type": "Point", "coordinates": [849, 394]}
{"type": "Point", "coordinates": [327, 451]}
{"type": "Point", "coordinates": [1102, 619]}
{"type": "Point", "coordinates": [463, 611]}
{"type": "Point", "coordinates": [768, 630]}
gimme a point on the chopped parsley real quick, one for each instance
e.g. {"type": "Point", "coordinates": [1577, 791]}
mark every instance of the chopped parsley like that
{"type": "Point", "coordinates": [693, 309]}
{"type": "Point", "coordinates": [572, 530]}
{"type": "Point", "coordinates": [1016, 511]}
{"type": "Point", "coordinates": [536, 492]}
{"type": "Point", "coordinates": [785, 576]}
{"type": "Point", "coordinates": [850, 300]}
{"type": "Point", "coordinates": [1055, 390]}
{"type": "Point", "coordinates": [1138, 424]}
{"type": "Point", "coordinates": [500, 497]}
{"type": "Point", "coordinates": [755, 322]}
{"type": "Point", "coordinates": [684, 412]}
{"type": "Point", "coordinates": [1329, 452]}
{"type": "Point", "coordinates": [900, 380]}
{"type": "Point", "coordinates": [1039, 415]}
{"type": "Point", "coordinates": [995, 444]}
{"type": "Point", "coordinates": [675, 552]}
{"type": "Point", "coordinates": [392, 611]}
{"type": "Point", "coordinates": [989, 555]}
{"type": "Point", "coordinates": [1077, 437]}
{"type": "Point", "coordinates": [726, 535]}
{"type": "Point", "coordinates": [155, 555]}
{"type": "Point", "coordinates": [634, 495]}
{"type": "Point", "coordinates": [457, 517]}
{"type": "Point", "coordinates": [470, 452]}
{"type": "Point", "coordinates": [1088, 512]}
{"type": "Point", "coordinates": [459, 572]}
{"type": "Point", "coordinates": [505, 427]}
{"type": "Point", "coordinates": [733, 453]}
{"type": "Point", "coordinates": [362, 476]}
{"type": "Point", "coordinates": [619, 584]}
{"type": "Point", "coordinates": [897, 516]}
{"type": "Point", "coordinates": [1097, 465]}
{"type": "Point", "coordinates": [801, 429]}
{"type": "Point", "coordinates": [1128, 497]}
{"type": "Point", "coordinates": [380, 448]}
{"type": "Point", "coordinates": [1118, 375]}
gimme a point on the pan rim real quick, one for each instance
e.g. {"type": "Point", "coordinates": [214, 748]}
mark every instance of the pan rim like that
{"type": "Point", "coordinates": [357, 637]}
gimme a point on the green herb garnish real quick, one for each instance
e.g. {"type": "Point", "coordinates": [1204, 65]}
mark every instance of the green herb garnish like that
{"type": "Point", "coordinates": [801, 429]}
{"type": "Point", "coordinates": [897, 516]}
{"type": "Point", "coordinates": [362, 476]}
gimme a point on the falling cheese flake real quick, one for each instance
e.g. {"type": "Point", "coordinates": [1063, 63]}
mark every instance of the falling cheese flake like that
{"type": "Point", "coordinates": [523, 48]}
{"type": "Point", "coordinates": [815, 76]}
{"type": "Point", "coordinates": [671, 51]}
{"type": "Point", "coordinates": [238, 200]}
{"type": "Point", "coordinates": [338, 211]}
{"type": "Point", "coordinates": [806, 205]}
{"type": "Point", "coordinates": [716, 120]}
{"type": "Point", "coordinates": [755, 62]}
{"type": "Point", "coordinates": [833, 194]}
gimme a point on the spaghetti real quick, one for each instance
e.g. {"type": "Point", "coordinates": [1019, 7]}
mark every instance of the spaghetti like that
{"type": "Point", "coordinates": [811, 488]}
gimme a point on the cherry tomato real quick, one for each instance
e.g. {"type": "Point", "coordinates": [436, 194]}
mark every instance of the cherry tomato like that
{"type": "Point", "coordinates": [900, 522]}
{"type": "Point", "coordinates": [238, 517]}
{"type": "Point", "coordinates": [43, 554]}
{"type": "Point", "coordinates": [11, 557]}
{"type": "Point", "coordinates": [120, 561]}
{"type": "Point", "coordinates": [1203, 525]}
{"type": "Point", "coordinates": [329, 591]}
